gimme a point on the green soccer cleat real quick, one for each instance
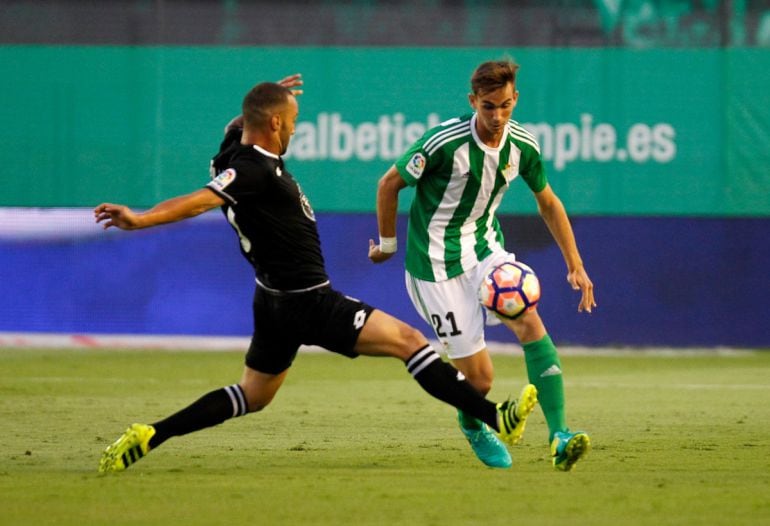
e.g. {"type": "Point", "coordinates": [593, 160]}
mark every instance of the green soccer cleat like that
{"type": "Point", "coordinates": [567, 448]}
{"type": "Point", "coordinates": [512, 415]}
{"type": "Point", "coordinates": [130, 447]}
{"type": "Point", "coordinates": [487, 447]}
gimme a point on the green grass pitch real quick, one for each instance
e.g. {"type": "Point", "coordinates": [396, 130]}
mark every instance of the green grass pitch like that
{"type": "Point", "coordinates": [678, 439]}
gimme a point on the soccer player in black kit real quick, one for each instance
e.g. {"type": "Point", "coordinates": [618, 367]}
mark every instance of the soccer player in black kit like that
{"type": "Point", "coordinates": [294, 302]}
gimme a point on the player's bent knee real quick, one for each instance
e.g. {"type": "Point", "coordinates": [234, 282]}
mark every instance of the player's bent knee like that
{"type": "Point", "coordinates": [256, 400]}
{"type": "Point", "coordinates": [481, 380]}
{"type": "Point", "coordinates": [254, 405]}
{"type": "Point", "coordinates": [255, 408]}
{"type": "Point", "coordinates": [260, 388]}
{"type": "Point", "coordinates": [412, 338]}
{"type": "Point", "coordinates": [528, 327]}
{"type": "Point", "coordinates": [407, 341]}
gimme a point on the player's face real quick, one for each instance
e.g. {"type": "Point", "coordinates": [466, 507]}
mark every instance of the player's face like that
{"type": "Point", "coordinates": [493, 110]}
{"type": "Point", "coordinates": [288, 122]}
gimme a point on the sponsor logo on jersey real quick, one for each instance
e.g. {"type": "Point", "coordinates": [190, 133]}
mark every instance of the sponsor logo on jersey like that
{"type": "Point", "coordinates": [222, 180]}
{"type": "Point", "coordinates": [416, 165]}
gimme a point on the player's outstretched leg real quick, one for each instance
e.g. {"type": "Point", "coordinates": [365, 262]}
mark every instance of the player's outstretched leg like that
{"type": "Point", "coordinates": [130, 447]}
{"type": "Point", "coordinates": [512, 415]}
{"type": "Point", "coordinates": [488, 448]}
{"type": "Point", "coordinates": [567, 448]}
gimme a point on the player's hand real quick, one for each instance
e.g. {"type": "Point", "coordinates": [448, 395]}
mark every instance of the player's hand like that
{"type": "Point", "coordinates": [116, 215]}
{"type": "Point", "coordinates": [292, 81]}
{"type": "Point", "coordinates": [376, 255]}
{"type": "Point", "coordinates": [235, 122]}
{"type": "Point", "coordinates": [579, 280]}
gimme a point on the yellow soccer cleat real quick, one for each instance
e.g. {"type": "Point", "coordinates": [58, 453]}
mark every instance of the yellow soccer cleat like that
{"type": "Point", "coordinates": [567, 448]}
{"type": "Point", "coordinates": [512, 415]}
{"type": "Point", "coordinates": [130, 447]}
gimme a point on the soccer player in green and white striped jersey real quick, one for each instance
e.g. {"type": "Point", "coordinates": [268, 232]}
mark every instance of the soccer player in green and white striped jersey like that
{"type": "Point", "coordinates": [461, 170]}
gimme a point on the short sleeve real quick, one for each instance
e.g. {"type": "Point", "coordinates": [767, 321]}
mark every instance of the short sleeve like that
{"type": "Point", "coordinates": [237, 181]}
{"type": "Point", "coordinates": [413, 163]}
{"type": "Point", "coordinates": [532, 170]}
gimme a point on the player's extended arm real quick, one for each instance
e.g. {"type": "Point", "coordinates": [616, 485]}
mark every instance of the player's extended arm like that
{"type": "Point", "coordinates": [555, 216]}
{"type": "Point", "coordinates": [174, 209]}
{"type": "Point", "coordinates": [387, 209]}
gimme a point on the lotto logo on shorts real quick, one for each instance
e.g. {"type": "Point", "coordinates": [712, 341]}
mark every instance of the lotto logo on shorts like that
{"type": "Point", "coordinates": [359, 319]}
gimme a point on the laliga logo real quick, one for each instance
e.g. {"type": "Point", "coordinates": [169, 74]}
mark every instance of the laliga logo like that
{"type": "Point", "coordinates": [416, 165]}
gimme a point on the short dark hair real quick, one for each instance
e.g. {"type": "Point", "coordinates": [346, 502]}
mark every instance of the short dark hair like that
{"type": "Point", "coordinates": [493, 75]}
{"type": "Point", "coordinates": [262, 101]}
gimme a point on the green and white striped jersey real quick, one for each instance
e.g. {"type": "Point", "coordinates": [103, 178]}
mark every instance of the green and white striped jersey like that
{"type": "Point", "coordinates": [460, 183]}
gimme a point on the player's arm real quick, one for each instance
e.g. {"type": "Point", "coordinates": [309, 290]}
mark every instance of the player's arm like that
{"type": "Point", "coordinates": [169, 211]}
{"type": "Point", "coordinates": [555, 216]}
{"type": "Point", "coordinates": [387, 209]}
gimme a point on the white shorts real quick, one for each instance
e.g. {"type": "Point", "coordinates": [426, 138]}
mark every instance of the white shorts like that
{"type": "Point", "coordinates": [453, 309]}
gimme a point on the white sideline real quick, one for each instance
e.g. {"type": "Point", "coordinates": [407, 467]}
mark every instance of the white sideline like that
{"type": "Point", "coordinates": [122, 341]}
{"type": "Point", "coordinates": [20, 340]}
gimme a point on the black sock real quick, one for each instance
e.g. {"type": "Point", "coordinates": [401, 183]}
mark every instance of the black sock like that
{"type": "Point", "coordinates": [209, 410]}
{"type": "Point", "coordinates": [446, 383]}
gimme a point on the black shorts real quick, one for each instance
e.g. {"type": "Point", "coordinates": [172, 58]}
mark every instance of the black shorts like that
{"type": "Point", "coordinates": [284, 321]}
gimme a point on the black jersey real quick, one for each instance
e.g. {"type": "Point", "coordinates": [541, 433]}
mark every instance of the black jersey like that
{"type": "Point", "coordinates": [272, 217]}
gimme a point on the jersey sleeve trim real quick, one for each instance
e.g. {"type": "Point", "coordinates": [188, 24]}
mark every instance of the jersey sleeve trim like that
{"type": "Point", "coordinates": [227, 197]}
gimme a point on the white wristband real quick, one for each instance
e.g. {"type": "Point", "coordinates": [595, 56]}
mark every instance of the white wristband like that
{"type": "Point", "coordinates": [388, 245]}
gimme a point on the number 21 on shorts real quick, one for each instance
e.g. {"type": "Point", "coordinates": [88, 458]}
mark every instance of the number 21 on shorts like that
{"type": "Point", "coordinates": [443, 324]}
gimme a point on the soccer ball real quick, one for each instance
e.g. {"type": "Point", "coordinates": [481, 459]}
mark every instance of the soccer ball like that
{"type": "Point", "coordinates": [510, 290]}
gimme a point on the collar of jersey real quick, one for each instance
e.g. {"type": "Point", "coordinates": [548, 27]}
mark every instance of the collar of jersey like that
{"type": "Point", "coordinates": [265, 152]}
{"type": "Point", "coordinates": [483, 146]}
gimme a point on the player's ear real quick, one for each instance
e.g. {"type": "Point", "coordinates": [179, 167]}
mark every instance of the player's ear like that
{"type": "Point", "coordinates": [472, 100]}
{"type": "Point", "coordinates": [275, 122]}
